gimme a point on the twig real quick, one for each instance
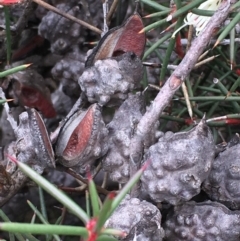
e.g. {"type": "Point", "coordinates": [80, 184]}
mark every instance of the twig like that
{"type": "Point", "coordinates": [190, 35]}
{"type": "Point", "coordinates": [213, 41]}
{"type": "Point", "coordinates": [79, 177]}
{"type": "Point", "coordinates": [10, 118]}
{"type": "Point", "coordinates": [111, 11]}
{"type": "Point", "coordinates": [173, 83]}
{"type": "Point", "coordinates": [68, 16]}
{"type": "Point", "coordinates": [19, 180]}
{"type": "Point", "coordinates": [22, 21]}
{"type": "Point", "coordinates": [105, 12]}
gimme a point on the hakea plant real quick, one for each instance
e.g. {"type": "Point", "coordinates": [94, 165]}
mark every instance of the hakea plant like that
{"type": "Point", "coordinates": [94, 229]}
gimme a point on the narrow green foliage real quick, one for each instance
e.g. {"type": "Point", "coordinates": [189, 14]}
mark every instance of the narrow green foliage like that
{"type": "Point", "coordinates": [53, 191]}
{"type": "Point", "coordinates": [185, 9]}
{"type": "Point", "coordinates": [169, 51]}
{"type": "Point", "coordinates": [153, 25]}
{"type": "Point", "coordinates": [42, 203]}
{"type": "Point", "coordinates": [103, 215]}
{"type": "Point", "coordinates": [33, 219]}
{"type": "Point", "coordinates": [224, 91]}
{"type": "Point", "coordinates": [155, 5]}
{"type": "Point", "coordinates": [42, 218]}
{"type": "Point", "coordinates": [87, 203]}
{"type": "Point", "coordinates": [235, 6]}
{"type": "Point", "coordinates": [155, 45]}
{"type": "Point", "coordinates": [229, 27]}
{"type": "Point", "coordinates": [232, 48]}
{"type": "Point", "coordinates": [235, 85]}
{"type": "Point", "coordinates": [14, 70]}
{"type": "Point", "coordinates": [215, 98]}
{"type": "Point", "coordinates": [2, 101]}
{"type": "Point", "coordinates": [201, 12]}
{"type": "Point", "coordinates": [44, 229]}
{"type": "Point", "coordinates": [93, 197]}
{"type": "Point", "coordinates": [158, 14]}
{"type": "Point", "coordinates": [17, 234]}
{"type": "Point", "coordinates": [134, 179]}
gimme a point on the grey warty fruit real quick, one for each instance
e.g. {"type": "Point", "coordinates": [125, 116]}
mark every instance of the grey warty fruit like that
{"type": "Point", "coordinates": [179, 163]}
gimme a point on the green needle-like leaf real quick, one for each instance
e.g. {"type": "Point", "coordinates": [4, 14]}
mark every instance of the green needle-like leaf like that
{"type": "Point", "coordinates": [42, 203]}
{"type": "Point", "coordinates": [169, 51]}
{"type": "Point", "coordinates": [44, 229]}
{"type": "Point", "coordinates": [93, 197]}
{"type": "Point", "coordinates": [53, 191]}
{"type": "Point", "coordinates": [227, 30]}
{"type": "Point", "coordinates": [158, 14]}
{"type": "Point", "coordinates": [153, 25]}
{"type": "Point", "coordinates": [41, 217]}
{"type": "Point", "coordinates": [185, 9]}
{"type": "Point", "coordinates": [135, 178]}
{"type": "Point", "coordinates": [235, 85]}
{"type": "Point", "coordinates": [155, 45]}
{"type": "Point", "coordinates": [155, 5]}
{"type": "Point", "coordinates": [214, 98]}
{"type": "Point", "coordinates": [232, 48]}
{"type": "Point", "coordinates": [103, 215]}
{"type": "Point", "coordinates": [18, 235]}
{"type": "Point", "coordinates": [201, 12]}
{"type": "Point", "coordinates": [13, 70]}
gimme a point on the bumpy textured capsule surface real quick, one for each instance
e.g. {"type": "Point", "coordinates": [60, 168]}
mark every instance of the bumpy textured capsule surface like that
{"type": "Point", "coordinates": [179, 163]}
{"type": "Point", "coordinates": [140, 220]}
{"type": "Point", "coordinates": [116, 162]}
{"type": "Point", "coordinates": [61, 32]}
{"type": "Point", "coordinates": [83, 139]}
{"type": "Point", "coordinates": [68, 70]}
{"type": "Point", "coordinates": [223, 182]}
{"type": "Point", "coordinates": [205, 221]}
{"type": "Point", "coordinates": [109, 81]}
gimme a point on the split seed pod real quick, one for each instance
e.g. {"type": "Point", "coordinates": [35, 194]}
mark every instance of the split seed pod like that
{"type": "Point", "coordinates": [41, 138]}
{"type": "Point", "coordinates": [30, 89]}
{"type": "Point", "coordinates": [82, 139]}
{"type": "Point", "coordinates": [119, 40]}
{"type": "Point", "coordinates": [33, 144]}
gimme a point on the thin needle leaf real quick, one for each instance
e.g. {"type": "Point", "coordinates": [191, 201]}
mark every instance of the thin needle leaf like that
{"type": "Point", "coordinates": [53, 191]}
